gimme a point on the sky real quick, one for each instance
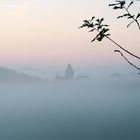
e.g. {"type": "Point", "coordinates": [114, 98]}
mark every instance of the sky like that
{"type": "Point", "coordinates": [45, 33]}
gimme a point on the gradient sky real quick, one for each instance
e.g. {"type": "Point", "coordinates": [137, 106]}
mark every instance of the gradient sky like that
{"type": "Point", "coordinates": [45, 32]}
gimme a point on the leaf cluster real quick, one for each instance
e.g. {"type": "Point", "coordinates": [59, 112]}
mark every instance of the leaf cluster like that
{"type": "Point", "coordinates": [97, 25]}
{"type": "Point", "coordinates": [118, 5]}
{"type": "Point", "coordinates": [123, 5]}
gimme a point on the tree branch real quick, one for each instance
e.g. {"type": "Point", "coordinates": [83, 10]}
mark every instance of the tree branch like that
{"type": "Point", "coordinates": [102, 29]}
{"type": "Point", "coordinates": [134, 19]}
{"type": "Point", "coordinates": [121, 4]}
{"type": "Point", "coordinates": [133, 65]}
{"type": "Point", "coordinates": [123, 48]}
{"type": "Point", "coordinates": [117, 44]}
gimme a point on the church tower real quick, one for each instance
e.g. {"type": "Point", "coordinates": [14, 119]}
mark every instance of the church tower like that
{"type": "Point", "coordinates": [69, 73]}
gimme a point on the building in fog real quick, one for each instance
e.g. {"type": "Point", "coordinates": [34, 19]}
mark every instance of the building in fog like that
{"type": "Point", "coordinates": [69, 74]}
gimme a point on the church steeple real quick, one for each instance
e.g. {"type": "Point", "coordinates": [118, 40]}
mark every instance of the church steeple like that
{"type": "Point", "coordinates": [69, 73]}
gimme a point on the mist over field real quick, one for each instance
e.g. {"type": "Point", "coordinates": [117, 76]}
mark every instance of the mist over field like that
{"type": "Point", "coordinates": [71, 110]}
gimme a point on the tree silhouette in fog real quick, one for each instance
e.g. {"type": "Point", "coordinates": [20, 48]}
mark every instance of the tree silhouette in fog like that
{"type": "Point", "coordinates": [102, 30]}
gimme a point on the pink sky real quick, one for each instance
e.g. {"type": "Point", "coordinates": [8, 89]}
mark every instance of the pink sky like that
{"type": "Point", "coordinates": [46, 32]}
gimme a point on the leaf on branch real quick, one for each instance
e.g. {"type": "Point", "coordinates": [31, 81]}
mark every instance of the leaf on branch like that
{"type": "Point", "coordinates": [125, 15]}
{"type": "Point", "coordinates": [118, 4]}
{"type": "Point", "coordinates": [108, 34]}
{"type": "Point", "coordinates": [99, 27]}
{"type": "Point", "coordinates": [130, 16]}
{"type": "Point", "coordinates": [97, 24]}
{"type": "Point", "coordinates": [100, 38]}
{"type": "Point", "coordinates": [112, 4]}
{"type": "Point", "coordinates": [122, 3]}
{"type": "Point", "coordinates": [86, 21]}
{"type": "Point", "coordinates": [116, 7]}
{"type": "Point", "coordinates": [92, 18]}
{"type": "Point", "coordinates": [94, 38]}
{"type": "Point", "coordinates": [82, 26]}
{"type": "Point", "coordinates": [120, 16]}
{"type": "Point", "coordinates": [92, 30]}
{"type": "Point", "coordinates": [98, 20]}
{"type": "Point", "coordinates": [130, 4]}
{"type": "Point", "coordinates": [105, 25]}
{"type": "Point", "coordinates": [90, 25]}
{"type": "Point", "coordinates": [129, 24]}
{"type": "Point", "coordinates": [105, 30]}
{"type": "Point", "coordinates": [102, 19]}
{"type": "Point", "coordinates": [138, 16]}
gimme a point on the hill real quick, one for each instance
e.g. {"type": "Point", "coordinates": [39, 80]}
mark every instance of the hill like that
{"type": "Point", "coordinates": [9, 75]}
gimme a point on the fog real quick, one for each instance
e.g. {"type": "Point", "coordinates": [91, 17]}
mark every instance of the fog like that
{"type": "Point", "coordinates": [71, 110]}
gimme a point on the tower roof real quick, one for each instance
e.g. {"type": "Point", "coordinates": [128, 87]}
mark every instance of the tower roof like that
{"type": "Point", "coordinates": [69, 73]}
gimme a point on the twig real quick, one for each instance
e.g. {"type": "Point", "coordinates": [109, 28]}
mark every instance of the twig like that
{"type": "Point", "coordinates": [119, 45]}
{"type": "Point", "coordinates": [134, 20]}
{"type": "Point", "coordinates": [121, 4]}
{"type": "Point", "coordinates": [133, 65]}
{"type": "Point", "coordinates": [122, 48]}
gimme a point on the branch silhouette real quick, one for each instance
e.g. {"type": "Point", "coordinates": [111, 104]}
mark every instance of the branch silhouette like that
{"type": "Point", "coordinates": [122, 5]}
{"type": "Point", "coordinates": [118, 51]}
{"type": "Point", "coordinates": [102, 32]}
{"type": "Point", "coordinates": [123, 48]}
